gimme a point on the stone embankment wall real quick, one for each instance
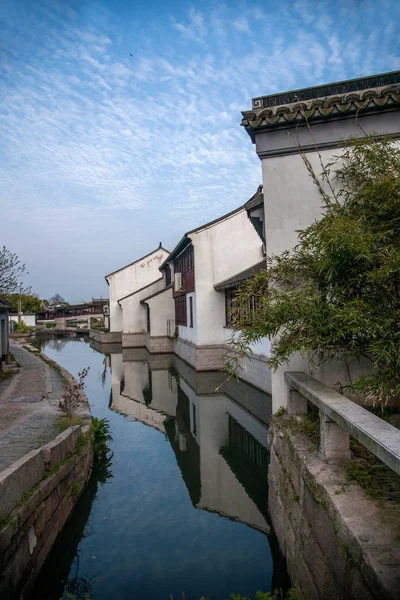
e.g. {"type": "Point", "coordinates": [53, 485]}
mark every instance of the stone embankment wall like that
{"type": "Point", "coordinates": [37, 494]}
{"type": "Point", "coordinates": [338, 542]}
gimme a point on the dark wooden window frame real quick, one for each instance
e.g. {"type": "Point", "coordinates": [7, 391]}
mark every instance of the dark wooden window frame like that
{"type": "Point", "coordinates": [194, 428]}
{"type": "Point", "coordinates": [190, 311]}
{"type": "Point", "coordinates": [184, 263]}
{"type": "Point", "coordinates": [230, 295]}
{"type": "Point", "coordinates": [167, 275]}
{"type": "Point", "coordinates": [181, 310]}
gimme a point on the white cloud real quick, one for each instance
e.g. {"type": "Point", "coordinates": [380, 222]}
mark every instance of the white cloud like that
{"type": "Point", "coordinates": [241, 24]}
{"type": "Point", "coordinates": [95, 142]}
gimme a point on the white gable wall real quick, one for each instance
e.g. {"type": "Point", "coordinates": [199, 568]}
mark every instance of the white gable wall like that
{"type": "Point", "coordinates": [221, 251]}
{"type": "Point", "coordinates": [134, 313]}
{"type": "Point", "coordinates": [162, 309]}
{"type": "Point", "coordinates": [132, 278]}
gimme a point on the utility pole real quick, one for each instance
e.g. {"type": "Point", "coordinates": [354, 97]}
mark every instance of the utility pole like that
{"type": "Point", "coordinates": [20, 305]}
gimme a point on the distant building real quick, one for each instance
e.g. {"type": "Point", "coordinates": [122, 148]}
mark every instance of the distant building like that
{"type": "Point", "coordinates": [283, 127]}
{"type": "Point", "coordinates": [74, 315]}
{"type": "Point", "coordinates": [5, 308]}
{"type": "Point", "coordinates": [180, 301]}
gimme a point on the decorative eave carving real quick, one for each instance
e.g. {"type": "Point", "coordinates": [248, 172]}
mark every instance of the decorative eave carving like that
{"type": "Point", "coordinates": [336, 106]}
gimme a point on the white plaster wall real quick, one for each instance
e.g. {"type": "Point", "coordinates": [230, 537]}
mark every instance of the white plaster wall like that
{"type": "Point", "coordinates": [221, 251]}
{"type": "Point", "coordinates": [134, 319]}
{"type": "Point", "coordinates": [29, 320]}
{"type": "Point", "coordinates": [162, 308]}
{"type": "Point", "coordinates": [291, 202]}
{"type": "Point", "coordinates": [260, 348]}
{"type": "Point", "coordinates": [132, 278]}
{"type": "Point", "coordinates": [190, 333]}
{"type": "Point", "coordinates": [291, 199]}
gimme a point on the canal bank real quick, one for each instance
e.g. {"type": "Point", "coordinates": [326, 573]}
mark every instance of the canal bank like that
{"type": "Point", "coordinates": [42, 473]}
{"type": "Point", "coordinates": [340, 540]}
{"type": "Point", "coordinates": [182, 507]}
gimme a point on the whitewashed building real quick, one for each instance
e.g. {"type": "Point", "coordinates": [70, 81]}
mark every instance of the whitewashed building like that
{"type": "Point", "coordinates": [322, 118]}
{"type": "Point", "coordinates": [126, 281]}
{"type": "Point", "coordinates": [205, 269]}
{"type": "Point", "coordinates": [186, 308]}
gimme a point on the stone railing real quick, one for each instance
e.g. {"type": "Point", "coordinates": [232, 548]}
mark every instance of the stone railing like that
{"type": "Point", "coordinates": [341, 418]}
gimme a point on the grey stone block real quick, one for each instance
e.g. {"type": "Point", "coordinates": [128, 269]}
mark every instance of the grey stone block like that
{"type": "Point", "coordinates": [133, 340]}
{"type": "Point", "coordinates": [59, 448]}
{"type": "Point", "coordinates": [20, 477]}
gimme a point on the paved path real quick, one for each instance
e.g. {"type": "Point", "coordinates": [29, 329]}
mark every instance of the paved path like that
{"type": "Point", "coordinates": [28, 407]}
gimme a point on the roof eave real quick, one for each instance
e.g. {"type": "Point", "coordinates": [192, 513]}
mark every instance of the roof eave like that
{"type": "Point", "coordinates": [168, 287]}
{"type": "Point", "coordinates": [160, 247]}
{"type": "Point", "coordinates": [139, 290]}
{"type": "Point", "coordinates": [236, 280]}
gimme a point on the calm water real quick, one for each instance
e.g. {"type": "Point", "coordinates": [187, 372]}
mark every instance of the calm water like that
{"type": "Point", "coordinates": [185, 508]}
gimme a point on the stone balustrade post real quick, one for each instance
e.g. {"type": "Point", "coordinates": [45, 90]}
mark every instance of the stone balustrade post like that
{"type": "Point", "coordinates": [296, 403]}
{"type": "Point", "coordinates": [335, 441]}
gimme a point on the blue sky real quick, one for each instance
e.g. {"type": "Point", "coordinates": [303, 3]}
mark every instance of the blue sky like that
{"type": "Point", "coordinates": [103, 154]}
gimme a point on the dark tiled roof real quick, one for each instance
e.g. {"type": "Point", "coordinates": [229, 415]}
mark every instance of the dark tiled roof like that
{"type": "Point", "coordinates": [168, 287]}
{"type": "Point", "coordinates": [323, 102]}
{"type": "Point", "coordinates": [256, 200]}
{"type": "Point", "coordinates": [185, 240]}
{"type": "Point", "coordinates": [139, 290]}
{"type": "Point", "coordinates": [240, 277]}
{"type": "Point", "coordinates": [4, 305]}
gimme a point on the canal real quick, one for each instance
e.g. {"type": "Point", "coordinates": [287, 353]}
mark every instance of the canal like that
{"type": "Point", "coordinates": [181, 508]}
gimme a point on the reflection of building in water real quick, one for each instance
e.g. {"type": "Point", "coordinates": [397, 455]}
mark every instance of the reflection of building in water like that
{"type": "Point", "coordinates": [218, 432]}
{"type": "Point", "coordinates": [143, 391]}
{"type": "Point", "coordinates": [226, 438]}
{"type": "Point", "coordinates": [219, 437]}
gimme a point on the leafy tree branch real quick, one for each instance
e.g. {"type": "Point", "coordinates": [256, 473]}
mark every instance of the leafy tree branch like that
{"type": "Point", "coordinates": [11, 273]}
{"type": "Point", "coordinates": [337, 293]}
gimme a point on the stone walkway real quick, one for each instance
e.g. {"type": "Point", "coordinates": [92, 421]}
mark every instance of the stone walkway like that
{"type": "Point", "coordinates": [28, 407]}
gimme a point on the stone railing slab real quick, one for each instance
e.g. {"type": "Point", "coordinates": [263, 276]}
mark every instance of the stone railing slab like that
{"type": "Point", "coordinates": [378, 436]}
{"type": "Point", "coordinates": [18, 478]}
{"type": "Point", "coordinates": [59, 448]}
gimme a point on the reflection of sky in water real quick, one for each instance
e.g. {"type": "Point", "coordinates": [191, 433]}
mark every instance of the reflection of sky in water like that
{"type": "Point", "coordinates": [144, 538]}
